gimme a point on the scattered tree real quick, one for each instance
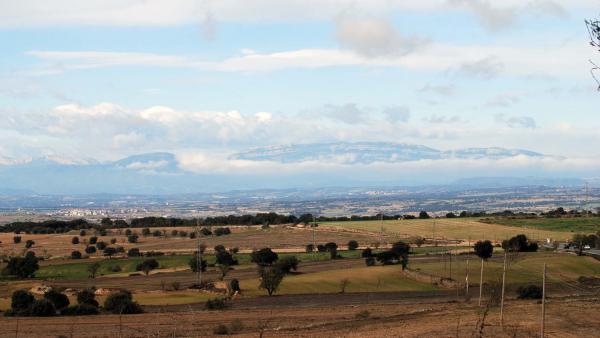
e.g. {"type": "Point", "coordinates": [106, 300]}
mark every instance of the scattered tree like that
{"type": "Point", "coordinates": [352, 245]}
{"type": "Point", "coordinates": [194, 263]}
{"type": "Point", "coordinates": [366, 253]}
{"type": "Point", "coordinates": [519, 243]}
{"type": "Point", "coordinates": [270, 278]}
{"type": "Point", "coordinates": [264, 257]}
{"type": "Point", "coordinates": [133, 252]}
{"type": "Point", "coordinates": [93, 269]}
{"type": "Point", "coordinates": [287, 264]}
{"type": "Point", "coordinates": [29, 244]}
{"type": "Point", "coordinates": [121, 302]}
{"type": "Point", "coordinates": [87, 297]}
{"type": "Point", "coordinates": [106, 222]}
{"type": "Point", "coordinates": [76, 255]}
{"type": "Point", "coordinates": [17, 239]}
{"type": "Point", "coordinates": [42, 308]}
{"type": "Point", "coordinates": [93, 240]}
{"type": "Point", "coordinates": [109, 251]}
{"type": "Point", "coordinates": [75, 240]}
{"type": "Point", "coordinates": [90, 250]}
{"type": "Point", "coordinates": [530, 292]}
{"type": "Point", "coordinates": [21, 302]}
{"type": "Point", "coordinates": [332, 247]}
{"type": "Point", "coordinates": [22, 267]}
{"type": "Point", "coordinates": [147, 265]}
{"type": "Point", "coordinates": [420, 241]}
{"type": "Point", "coordinates": [309, 248]}
{"type": "Point", "coordinates": [484, 249]}
{"type": "Point", "coordinates": [58, 299]}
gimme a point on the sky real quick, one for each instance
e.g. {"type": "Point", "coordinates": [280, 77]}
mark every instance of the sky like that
{"type": "Point", "coordinates": [105, 79]}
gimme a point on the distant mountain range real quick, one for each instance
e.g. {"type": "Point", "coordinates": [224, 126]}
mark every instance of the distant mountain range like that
{"type": "Point", "coordinates": [161, 173]}
{"type": "Point", "coordinates": [370, 152]}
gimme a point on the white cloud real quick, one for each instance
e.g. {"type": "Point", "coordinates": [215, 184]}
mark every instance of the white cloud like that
{"type": "Point", "coordinates": [482, 61]}
{"type": "Point", "coordinates": [374, 37]}
{"type": "Point", "coordinates": [177, 12]}
{"type": "Point", "coordinates": [396, 114]}
{"type": "Point", "coordinates": [515, 121]}
{"type": "Point", "coordinates": [210, 163]}
{"type": "Point", "coordinates": [486, 68]}
{"type": "Point", "coordinates": [150, 165]}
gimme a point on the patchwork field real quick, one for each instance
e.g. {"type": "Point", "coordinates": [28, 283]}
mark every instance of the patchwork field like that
{"type": "Point", "coordinates": [325, 297]}
{"type": "Point", "coordinates": [282, 238]}
{"type": "Point", "coordinates": [456, 229]}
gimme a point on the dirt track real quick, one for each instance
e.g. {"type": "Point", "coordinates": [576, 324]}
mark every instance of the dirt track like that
{"type": "Point", "coordinates": [425, 319]}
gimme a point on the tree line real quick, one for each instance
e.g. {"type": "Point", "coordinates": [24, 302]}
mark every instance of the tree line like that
{"type": "Point", "coordinates": [264, 219]}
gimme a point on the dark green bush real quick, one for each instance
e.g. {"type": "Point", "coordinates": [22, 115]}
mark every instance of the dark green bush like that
{"type": "Point", "coordinates": [87, 297]}
{"type": "Point", "coordinates": [42, 308]}
{"type": "Point", "coordinates": [80, 310]}
{"type": "Point", "coordinates": [58, 299]}
{"type": "Point", "coordinates": [21, 301]}
{"type": "Point", "coordinates": [530, 292]}
{"type": "Point", "coordinates": [121, 302]}
{"type": "Point", "coordinates": [215, 304]}
{"type": "Point", "coordinates": [221, 330]}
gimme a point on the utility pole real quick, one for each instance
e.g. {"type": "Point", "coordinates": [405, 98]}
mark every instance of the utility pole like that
{"type": "Point", "coordinates": [502, 299]}
{"type": "Point", "coordinates": [543, 302]}
{"type": "Point", "coordinates": [381, 233]}
{"type": "Point", "coordinates": [467, 279]}
{"type": "Point", "coordinates": [198, 255]}
{"type": "Point", "coordinates": [434, 241]}
{"type": "Point", "coordinates": [481, 283]}
{"type": "Point", "coordinates": [314, 227]}
{"type": "Point", "coordinates": [450, 260]}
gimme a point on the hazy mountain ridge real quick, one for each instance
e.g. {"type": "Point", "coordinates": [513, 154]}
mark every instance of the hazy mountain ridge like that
{"type": "Point", "coordinates": [369, 152]}
{"type": "Point", "coordinates": [162, 172]}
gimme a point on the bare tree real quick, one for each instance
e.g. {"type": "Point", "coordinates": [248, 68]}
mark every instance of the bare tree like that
{"type": "Point", "coordinates": [593, 27]}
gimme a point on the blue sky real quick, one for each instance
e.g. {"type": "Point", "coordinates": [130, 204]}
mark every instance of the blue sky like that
{"type": "Point", "coordinates": [107, 79]}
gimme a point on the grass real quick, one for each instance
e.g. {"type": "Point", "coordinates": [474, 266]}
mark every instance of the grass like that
{"type": "Point", "coordinates": [74, 269]}
{"type": "Point", "coordinates": [367, 279]}
{"type": "Point", "coordinates": [568, 224]}
{"type": "Point", "coordinates": [526, 268]}
{"type": "Point", "coordinates": [172, 297]}
{"type": "Point", "coordinates": [78, 270]}
{"type": "Point", "coordinates": [450, 228]}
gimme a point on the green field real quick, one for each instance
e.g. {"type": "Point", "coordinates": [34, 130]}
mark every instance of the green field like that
{"type": "Point", "coordinates": [525, 268]}
{"type": "Point", "coordinates": [73, 269]}
{"type": "Point", "coordinates": [451, 229]}
{"type": "Point", "coordinates": [570, 224]}
{"type": "Point", "coordinates": [367, 279]}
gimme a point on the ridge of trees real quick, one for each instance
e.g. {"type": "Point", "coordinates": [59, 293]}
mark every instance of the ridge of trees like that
{"type": "Point", "coordinates": [59, 226]}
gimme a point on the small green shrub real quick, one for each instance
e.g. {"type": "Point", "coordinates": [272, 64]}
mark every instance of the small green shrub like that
{"type": "Point", "coordinates": [215, 304]}
{"type": "Point", "coordinates": [221, 330]}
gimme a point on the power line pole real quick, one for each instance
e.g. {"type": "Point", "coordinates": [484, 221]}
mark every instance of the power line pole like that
{"type": "Point", "coordinates": [543, 302]}
{"type": "Point", "coordinates": [467, 280]}
{"type": "Point", "coordinates": [502, 300]}
{"type": "Point", "coordinates": [314, 227]}
{"type": "Point", "coordinates": [450, 260]}
{"type": "Point", "coordinates": [433, 235]}
{"type": "Point", "coordinates": [198, 256]}
{"type": "Point", "coordinates": [481, 283]}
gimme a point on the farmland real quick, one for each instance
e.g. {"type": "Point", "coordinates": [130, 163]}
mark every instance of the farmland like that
{"type": "Point", "coordinates": [473, 228]}
{"type": "Point", "coordinates": [368, 297]}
